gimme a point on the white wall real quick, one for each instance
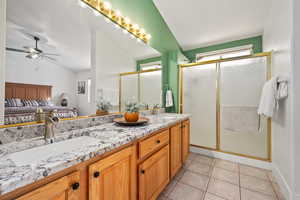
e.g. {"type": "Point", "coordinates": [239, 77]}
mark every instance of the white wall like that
{"type": "Point", "coordinates": [277, 37]}
{"type": "Point", "coordinates": [23, 70]}
{"type": "Point", "coordinates": [2, 56]}
{"type": "Point", "coordinates": [108, 61]}
{"type": "Point", "coordinates": [84, 107]}
{"type": "Point", "coordinates": [296, 93]}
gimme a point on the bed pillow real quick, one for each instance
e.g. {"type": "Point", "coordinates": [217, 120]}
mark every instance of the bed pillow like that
{"type": "Point", "coordinates": [18, 102]}
{"type": "Point", "coordinates": [14, 102]}
{"type": "Point", "coordinates": [6, 104]}
{"type": "Point", "coordinates": [26, 102]}
{"type": "Point", "coordinates": [42, 102]}
{"type": "Point", "coordinates": [34, 103]}
{"type": "Point", "coordinates": [50, 103]}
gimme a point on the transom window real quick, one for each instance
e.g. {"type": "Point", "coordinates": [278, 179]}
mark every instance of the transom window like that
{"type": "Point", "coordinates": [152, 65]}
{"type": "Point", "coordinates": [225, 53]}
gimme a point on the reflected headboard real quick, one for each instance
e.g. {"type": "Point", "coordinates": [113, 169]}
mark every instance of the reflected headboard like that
{"type": "Point", "coordinates": [27, 91]}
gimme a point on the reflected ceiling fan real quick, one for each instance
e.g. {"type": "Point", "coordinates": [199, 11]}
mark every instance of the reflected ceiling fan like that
{"type": "Point", "coordinates": [34, 52]}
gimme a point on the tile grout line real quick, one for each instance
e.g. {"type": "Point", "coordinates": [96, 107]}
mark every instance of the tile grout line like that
{"type": "Point", "coordinates": [240, 188]}
{"type": "Point", "coordinates": [209, 178]}
{"type": "Point", "coordinates": [239, 174]}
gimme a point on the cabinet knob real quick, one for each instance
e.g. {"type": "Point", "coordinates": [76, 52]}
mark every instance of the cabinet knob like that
{"type": "Point", "coordinates": [75, 186]}
{"type": "Point", "coordinates": [143, 171]}
{"type": "Point", "coordinates": [96, 174]}
{"type": "Point", "coordinates": [158, 141]}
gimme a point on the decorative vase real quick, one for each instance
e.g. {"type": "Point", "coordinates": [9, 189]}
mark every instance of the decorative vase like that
{"type": "Point", "coordinates": [64, 102]}
{"type": "Point", "coordinates": [131, 117]}
{"type": "Point", "coordinates": [101, 112]}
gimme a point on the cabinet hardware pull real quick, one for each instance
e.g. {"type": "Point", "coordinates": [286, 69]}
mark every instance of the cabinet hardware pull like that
{"type": "Point", "coordinates": [96, 174]}
{"type": "Point", "coordinates": [158, 141]}
{"type": "Point", "coordinates": [143, 171]}
{"type": "Point", "coordinates": [75, 186]}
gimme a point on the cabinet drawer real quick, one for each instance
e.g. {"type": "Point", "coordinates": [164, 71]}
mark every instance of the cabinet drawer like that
{"type": "Point", "coordinates": [153, 143]}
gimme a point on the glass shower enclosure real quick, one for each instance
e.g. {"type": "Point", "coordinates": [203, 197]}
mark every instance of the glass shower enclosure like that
{"type": "Point", "coordinates": [223, 96]}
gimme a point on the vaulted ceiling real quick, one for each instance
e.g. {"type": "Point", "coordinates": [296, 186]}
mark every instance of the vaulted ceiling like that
{"type": "Point", "coordinates": [199, 23]}
{"type": "Point", "coordinates": [66, 29]}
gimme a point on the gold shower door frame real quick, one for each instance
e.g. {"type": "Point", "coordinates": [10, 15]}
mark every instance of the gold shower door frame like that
{"type": "Point", "coordinates": [139, 83]}
{"type": "Point", "coordinates": [268, 56]}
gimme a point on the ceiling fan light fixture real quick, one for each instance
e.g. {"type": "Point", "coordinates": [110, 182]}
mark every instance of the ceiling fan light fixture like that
{"type": "Point", "coordinates": [32, 56]}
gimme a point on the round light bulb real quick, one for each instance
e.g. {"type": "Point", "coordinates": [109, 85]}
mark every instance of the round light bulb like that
{"type": "Point", "coordinates": [117, 26]}
{"type": "Point", "coordinates": [148, 36]}
{"type": "Point", "coordinates": [131, 36]}
{"type": "Point", "coordinates": [118, 13]}
{"type": "Point", "coordinates": [142, 31]}
{"type": "Point", "coordinates": [126, 20]}
{"type": "Point", "coordinates": [125, 31]}
{"type": "Point", "coordinates": [107, 5]}
{"type": "Point", "coordinates": [135, 26]}
{"type": "Point", "coordinates": [107, 20]}
{"type": "Point", "coordinates": [139, 40]}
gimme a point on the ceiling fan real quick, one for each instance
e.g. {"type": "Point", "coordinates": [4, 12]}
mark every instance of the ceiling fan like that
{"type": "Point", "coordinates": [34, 52]}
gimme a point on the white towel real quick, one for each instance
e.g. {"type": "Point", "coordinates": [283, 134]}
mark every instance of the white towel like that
{"type": "Point", "coordinates": [268, 98]}
{"type": "Point", "coordinates": [169, 99]}
{"type": "Point", "coordinates": [282, 89]}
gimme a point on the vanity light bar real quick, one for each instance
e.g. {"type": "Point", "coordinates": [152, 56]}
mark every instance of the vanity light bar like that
{"type": "Point", "coordinates": [115, 16]}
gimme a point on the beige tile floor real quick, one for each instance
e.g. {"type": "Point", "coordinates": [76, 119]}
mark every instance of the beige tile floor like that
{"type": "Point", "coordinates": [205, 178]}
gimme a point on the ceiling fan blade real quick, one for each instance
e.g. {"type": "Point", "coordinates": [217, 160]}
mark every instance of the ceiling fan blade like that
{"type": "Point", "coordinates": [51, 54]}
{"type": "Point", "coordinates": [31, 49]}
{"type": "Point", "coordinates": [17, 50]}
{"type": "Point", "coordinates": [48, 58]}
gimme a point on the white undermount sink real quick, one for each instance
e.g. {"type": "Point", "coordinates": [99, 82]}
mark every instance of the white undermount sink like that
{"type": "Point", "coordinates": [34, 155]}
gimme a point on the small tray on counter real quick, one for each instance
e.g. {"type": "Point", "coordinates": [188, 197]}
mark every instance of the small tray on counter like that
{"type": "Point", "coordinates": [123, 122]}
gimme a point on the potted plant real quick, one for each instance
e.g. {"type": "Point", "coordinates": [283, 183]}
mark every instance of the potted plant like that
{"type": "Point", "coordinates": [103, 107]}
{"type": "Point", "coordinates": [132, 111]}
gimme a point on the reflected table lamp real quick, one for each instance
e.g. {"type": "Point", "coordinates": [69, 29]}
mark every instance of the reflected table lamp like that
{"type": "Point", "coordinates": [64, 99]}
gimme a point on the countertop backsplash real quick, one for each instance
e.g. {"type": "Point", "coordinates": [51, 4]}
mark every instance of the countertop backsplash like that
{"type": "Point", "coordinates": [15, 134]}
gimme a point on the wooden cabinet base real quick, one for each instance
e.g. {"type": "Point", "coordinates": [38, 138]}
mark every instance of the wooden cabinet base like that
{"type": "Point", "coordinates": [113, 177]}
{"type": "Point", "coordinates": [175, 148]}
{"type": "Point", "coordinates": [117, 175]}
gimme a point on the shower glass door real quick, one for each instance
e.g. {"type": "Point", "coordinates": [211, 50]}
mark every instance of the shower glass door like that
{"type": "Point", "coordinates": [199, 99]}
{"type": "Point", "coordinates": [242, 130]}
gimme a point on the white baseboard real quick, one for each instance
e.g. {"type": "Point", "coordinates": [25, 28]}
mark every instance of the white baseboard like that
{"type": "Point", "coordinates": [285, 188]}
{"type": "Point", "coordinates": [234, 158]}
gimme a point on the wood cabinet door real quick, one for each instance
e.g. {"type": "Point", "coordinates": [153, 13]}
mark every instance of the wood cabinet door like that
{"type": "Point", "coordinates": [154, 175]}
{"type": "Point", "coordinates": [185, 140]}
{"type": "Point", "coordinates": [65, 188]}
{"type": "Point", "coordinates": [114, 177]}
{"type": "Point", "coordinates": [175, 148]}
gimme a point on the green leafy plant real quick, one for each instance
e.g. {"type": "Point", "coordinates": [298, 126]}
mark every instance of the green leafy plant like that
{"type": "Point", "coordinates": [103, 105]}
{"type": "Point", "coordinates": [132, 107]}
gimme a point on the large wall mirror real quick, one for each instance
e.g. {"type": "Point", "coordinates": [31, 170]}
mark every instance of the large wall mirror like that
{"type": "Point", "coordinates": [63, 57]}
{"type": "Point", "coordinates": [144, 87]}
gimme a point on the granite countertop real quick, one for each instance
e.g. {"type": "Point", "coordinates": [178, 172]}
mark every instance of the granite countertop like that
{"type": "Point", "coordinates": [29, 160]}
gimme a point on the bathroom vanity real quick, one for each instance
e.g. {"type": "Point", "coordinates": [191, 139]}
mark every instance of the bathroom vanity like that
{"type": "Point", "coordinates": [99, 162]}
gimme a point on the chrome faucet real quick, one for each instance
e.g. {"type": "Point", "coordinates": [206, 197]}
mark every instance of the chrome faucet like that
{"type": "Point", "coordinates": [50, 121]}
{"type": "Point", "coordinates": [155, 109]}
